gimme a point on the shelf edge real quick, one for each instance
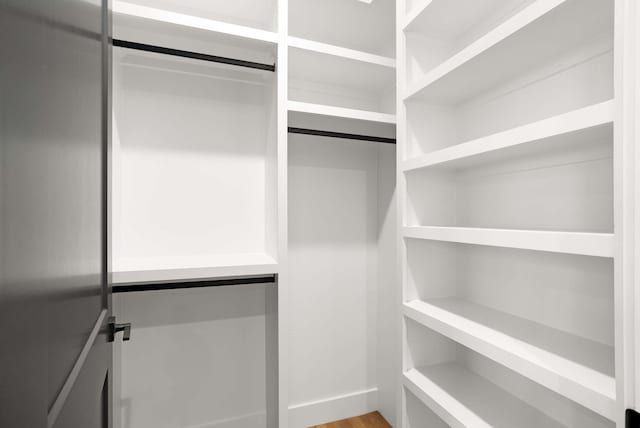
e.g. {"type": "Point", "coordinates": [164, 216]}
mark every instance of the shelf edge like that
{"type": "Point", "coordinates": [175, 18]}
{"type": "Point", "coordinates": [352, 54]}
{"type": "Point", "coordinates": [579, 243]}
{"type": "Point", "coordinates": [576, 120]}
{"type": "Point", "coordinates": [347, 113]}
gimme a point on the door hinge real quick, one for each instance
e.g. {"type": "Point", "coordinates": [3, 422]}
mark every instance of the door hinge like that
{"type": "Point", "coordinates": [632, 419]}
{"type": "Point", "coordinates": [114, 328]}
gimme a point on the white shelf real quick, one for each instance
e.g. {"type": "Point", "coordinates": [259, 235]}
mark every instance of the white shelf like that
{"type": "Point", "coordinates": [340, 112]}
{"type": "Point", "coordinates": [143, 16]}
{"type": "Point", "coordinates": [538, 33]}
{"type": "Point", "coordinates": [586, 124]}
{"type": "Point", "coordinates": [463, 399]}
{"type": "Point", "coordinates": [325, 69]}
{"type": "Point", "coordinates": [324, 48]}
{"type": "Point", "coordinates": [577, 368]}
{"type": "Point", "coordinates": [415, 13]}
{"type": "Point", "coordinates": [195, 267]}
{"type": "Point", "coordinates": [581, 243]}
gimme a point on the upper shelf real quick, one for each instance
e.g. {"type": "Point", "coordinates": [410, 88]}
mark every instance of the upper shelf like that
{"type": "Point", "coordinates": [143, 24]}
{"type": "Point", "coordinates": [577, 368]}
{"type": "Point", "coordinates": [451, 19]}
{"type": "Point", "coordinates": [593, 123]}
{"type": "Point", "coordinates": [367, 27]}
{"type": "Point", "coordinates": [243, 13]}
{"type": "Point", "coordinates": [541, 31]}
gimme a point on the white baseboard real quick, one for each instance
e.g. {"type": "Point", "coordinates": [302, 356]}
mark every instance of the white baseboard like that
{"type": "Point", "coordinates": [333, 408]}
{"type": "Point", "coordinates": [253, 420]}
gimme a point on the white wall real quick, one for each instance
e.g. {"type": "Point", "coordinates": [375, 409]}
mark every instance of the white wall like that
{"type": "Point", "coordinates": [341, 239]}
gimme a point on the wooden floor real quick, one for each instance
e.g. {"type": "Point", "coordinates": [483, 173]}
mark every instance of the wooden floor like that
{"type": "Point", "coordinates": [370, 420]}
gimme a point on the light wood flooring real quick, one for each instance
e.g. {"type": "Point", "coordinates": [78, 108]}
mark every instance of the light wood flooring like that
{"type": "Point", "coordinates": [370, 420]}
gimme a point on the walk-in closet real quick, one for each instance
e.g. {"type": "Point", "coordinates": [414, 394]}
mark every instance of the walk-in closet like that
{"type": "Point", "coordinates": [274, 273]}
{"type": "Point", "coordinates": [320, 213]}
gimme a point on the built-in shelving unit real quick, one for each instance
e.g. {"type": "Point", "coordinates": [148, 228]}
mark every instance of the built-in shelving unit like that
{"type": "Point", "coordinates": [506, 148]}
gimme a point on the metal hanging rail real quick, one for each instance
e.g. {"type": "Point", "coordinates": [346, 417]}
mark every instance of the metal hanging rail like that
{"type": "Point", "coordinates": [332, 134]}
{"type": "Point", "coordinates": [222, 282]}
{"type": "Point", "coordinates": [193, 55]}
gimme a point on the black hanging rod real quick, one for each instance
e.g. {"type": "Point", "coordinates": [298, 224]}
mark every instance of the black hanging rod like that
{"type": "Point", "coordinates": [155, 286]}
{"type": "Point", "coordinates": [192, 55]}
{"type": "Point", "coordinates": [359, 137]}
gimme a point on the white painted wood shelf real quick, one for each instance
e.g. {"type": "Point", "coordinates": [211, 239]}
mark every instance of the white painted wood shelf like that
{"type": "Point", "coordinates": [577, 368]}
{"type": "Point", "coordinates": [192, 268]}
{"type": "Point", "coordinates": [463, 399]}
{"type": "Point", "coordinates": [580, 243]}
{"type": "Point", "coordinates": [592, 123]}
{"type": "Point", "coordinates": [340, 112]}
{"type": "Point", "coordinates": [540, 32]}
{"type": "Point", "coordinates": [338, 51]}
{"type": "Point", "coordinates": [330, 75]}
{"type": "Point", "coordinates": [134, 20]}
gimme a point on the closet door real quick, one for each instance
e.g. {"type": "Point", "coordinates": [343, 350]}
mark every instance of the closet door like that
{"type": "Point", "coordinates": [55, 357]}
{"type": "Point", "coordinates": [514, 185]}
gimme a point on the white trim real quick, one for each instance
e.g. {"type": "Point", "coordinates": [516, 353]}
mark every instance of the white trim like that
{"type": "Point", "coordinates": [627, 208]}
{"type": "Point", "coordinates": [282, 164]}
{"type": "Point", "coordinates": [333, 408]}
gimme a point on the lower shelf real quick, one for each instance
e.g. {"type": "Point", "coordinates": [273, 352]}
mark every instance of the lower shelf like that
{"type": "Point", "coordinates": [464, 399]}
{"type": "Point", "coordinates": [576, 368]}
{"type": "Point", "coordinates": [195, 267]}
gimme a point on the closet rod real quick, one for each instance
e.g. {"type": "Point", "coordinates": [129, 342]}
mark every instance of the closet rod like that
{"type": "Point", "coordinates": [222, 282]}
{"type": "Point", "coordinates": [192, 55]}
{"type": "Point", "coordinates": [359, 137]}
